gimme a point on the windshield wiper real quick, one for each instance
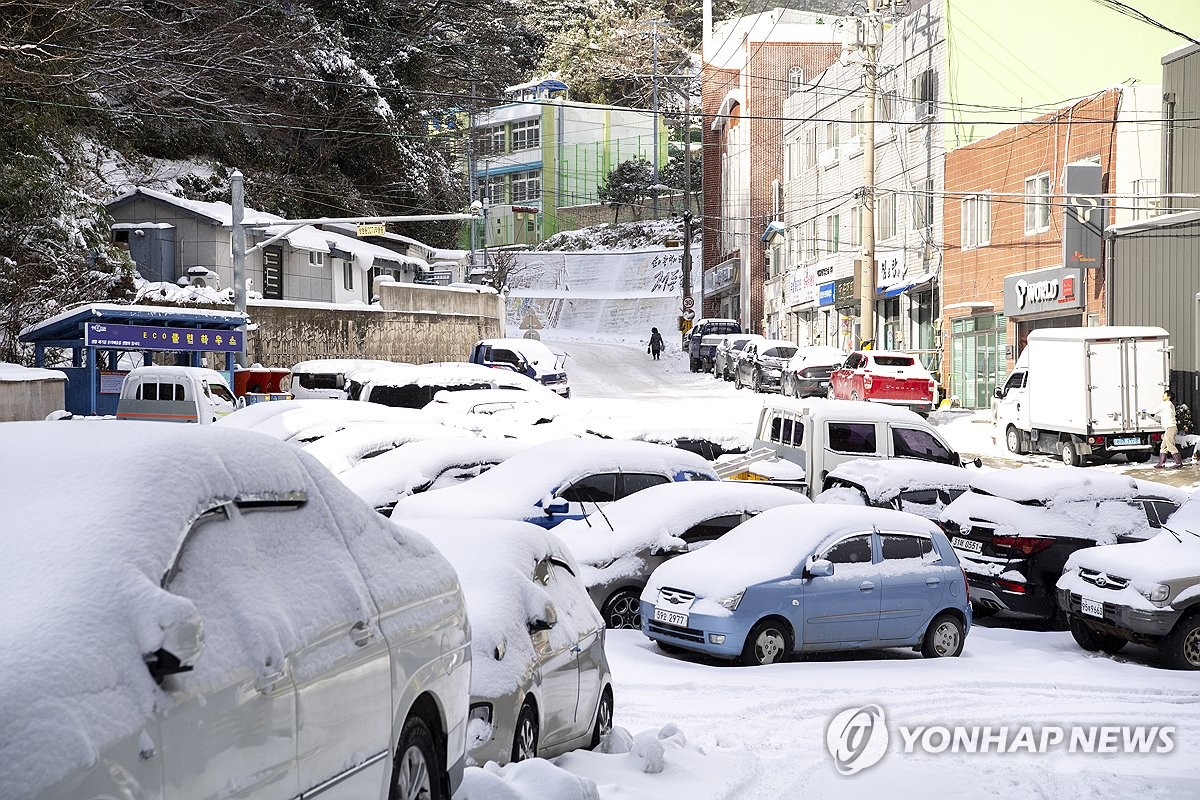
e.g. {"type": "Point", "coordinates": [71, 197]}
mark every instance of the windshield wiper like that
{"type": "Point", "coordinates": [1171, 531]}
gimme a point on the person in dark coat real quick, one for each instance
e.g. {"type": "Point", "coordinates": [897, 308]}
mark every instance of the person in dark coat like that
{"type": "Point", "coordinates": [656, 343]}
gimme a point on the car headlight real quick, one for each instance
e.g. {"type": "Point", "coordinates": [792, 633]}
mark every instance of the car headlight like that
{"type": "Point", "coordinates": [731, 601]}
{"type": "Point", "coordinates": [1158, 593]}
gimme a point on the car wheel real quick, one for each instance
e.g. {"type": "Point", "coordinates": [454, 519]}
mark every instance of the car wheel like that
{"type": "Point", "coordinates": [1070, 454]}
{"type": "Point", "coordinates": [694, 365]}
{"type": "Point", "coordinates": [525, 736]}
{"type": "Point", "coordinates": [1012, 437]}
{"type": "Point", "coordinates": [604, 717]}
{"type": "Point", "coordinates": [854, 395]}
{"type": "Point", "coordinates": [944, 638]}
{"type": "Point", "coordinates": [1180, 649]}
{"type": "Point", "coordinates": [624, 610]}
{"type": "Point", "coordinates": [416, 757]}
{"type": "Point", "coordinates": [1092, 641]}
{"type": "Point", "coordinates": [768, 642]}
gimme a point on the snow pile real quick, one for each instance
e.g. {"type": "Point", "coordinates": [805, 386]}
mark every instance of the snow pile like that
{"type": "Point", "coordinates": [341, 450]}
{"type": "Point", "coordinates": [609, 546]}
{"type": "Point", "coordinates": [514, 489]}
{"type": "Point", "coordinates": [166, 292]}
{"type": "Point", "coordinates": [308, 420]}
{"type": "Point", "coordinates": [15, 373]}
{"type": "Point", "coordinates": [841, 496]}
{"type": "Point", "coordinates": [1052, 485]}
{"type": "Point", "coordinates": [883, 479]}
{"type": "Point", "coordinates": [772, 545]}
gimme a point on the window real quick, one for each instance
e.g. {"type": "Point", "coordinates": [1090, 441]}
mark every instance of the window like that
{"type": "Point", "coordinates": [856, 226]}
{"type": "Point", "coordinates": [493, 189]}
{"type": "Point", "coordinates": [924, 502]}
{"type": "Point", "coordinates": [852, 550]}
{"type": "Point", "coordinates": [160, 391]}
{"type": "Point", "coordinates": [526, 135]}
{"type": "Point", "coordinates": [507, 356]}
{"type": "Point", "coordinates": [218, 391]}
{"type": "Point", "coordinates": [885, 107]}
{"type": "Point", "coordinates": [833, 138]}
{"type": "Point", "coordinates": [600, 488]}
{"type": "Point", "coordinates": [857, 125]}
{"type": "Point", "coordinates": [1037, 203]}
{"type": "Point", "coordinates": [272, 261]}
{"type": "Point", "coordinates": [897, 546]}
{"type": "Point", "coordinates": [924, 94]}
{"type": "Point", "coordinates": [1146, 202]}
{"type": "Point", "coordinates": [795, 79]}
{"type": "Point", "coordinates": [922, 205]}
{"type": "Point", "coordinates": [885, 215]}
{"type": "Point", "coordinates": [811, 248]}
{"type": "Point", "coordinates": [492, 140]}
{"type": "Point", "coordinates": [348, 275]}
{"type": "Point", "coordinates": [316, 259]}
{"type": "Point", "coordinates": [833, 232]}
{"type": "Point", "coordinates": [1015, 381]}
{"type": "Point", "coordinates": [810, 149]}
{"type": "Point", "coordinates": [976, 220]}
{"type": "Point", "coordinates": [526, 186]}
{"type": "Point", "coordinates": [851, 437]}
{"type": "Point", "coordinates": [711, 529]}
{"type": "Point", "coordinates": [632, 482]}
{"type": "Point", "coordinates": [914, 443]}
{"type": "Point", "coordinates": [786, 430]}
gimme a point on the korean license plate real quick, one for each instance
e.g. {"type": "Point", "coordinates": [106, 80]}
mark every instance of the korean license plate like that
{"type": "Point", "coordinates": [1092, 608]}
{"type": "Point", "coordinates": [969, 545]}
{"type": "Point", "coordinates": [670, 617]}
{"type": "Point", "coordinates": [1125, 441]}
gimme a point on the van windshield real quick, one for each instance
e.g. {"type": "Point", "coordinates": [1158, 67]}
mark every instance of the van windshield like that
{"type": "Point", "coordinates": [721, 328]}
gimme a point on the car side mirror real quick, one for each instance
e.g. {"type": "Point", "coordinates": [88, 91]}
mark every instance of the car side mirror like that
{"type": "Point", "coordinates": [998, 393]}
{"type": "Point", "coordinates": [182, 644]}
{"type": "Point", "coordinates": [672, 548]}
{"type": "Point", "coordinates": [818, 568]}
{"type": "Point", "coordinates": [545, 622]}
{"type": "Point", "coordinates": [556, 505]}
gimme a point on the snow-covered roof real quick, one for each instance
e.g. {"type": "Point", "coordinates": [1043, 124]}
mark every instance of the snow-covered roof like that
{"type": "Point", "coordinates": [772, 545]}
{"type": "Point", "coordinates": [333, 366]}
{"type": "Point", "coordinates": [131, 313]}
{"type": "Point", "coordinates": [1100, 521]}
{"type": "Point", "coordinates": [80, 580]}
{"type": "Point", "coordinates": [884, 478]}
{"type": "Point", "coordinates": [1098, 332]}
{"type": "Point", "coordinates": [476, 401]}
{"type": "Point", "coordinates": [535, 351]}
{"type": "Point", "coordinates": [512, 489]}
{"type": "Point", "coordinates": [849, 410]}
{"type": "Point", "coordinates": [1054, 484]}
{"type": "Point", "coordinates": [341, 450]}
{"type": "Point", "coordinates": [385, 478]}
{"type": "Point", "coordinates": [307, 419]}
{"type": "Point", "coordinates": [655, 517]}
{"type": "Point", "coordinates": [818, 355]}
{"type": "Point", "coordinates": [15, 373]}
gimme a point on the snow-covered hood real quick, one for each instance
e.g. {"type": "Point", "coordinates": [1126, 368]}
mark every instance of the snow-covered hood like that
{"type": "Point", "coordinates": [1054, 484]}
{"type": "Point", "coordinates": [1157, 560]}
{"type": "Point", "coordinates": [341, 450]}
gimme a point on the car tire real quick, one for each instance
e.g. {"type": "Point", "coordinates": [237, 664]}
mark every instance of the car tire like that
{"type": "Point", "coordinates": [785, 386]}
{"type": "Point", "coordinates": [769, 642]}
{"type": "Point", "coordinates": [1093, 641]}
{"type": "Point", "coordinates": [1180, 649]}
{"type": "Point", "coordinates": [1138, 457]}
{"type": "Point", "coordinates": [944, 638]}
{"type": "Point", "coordinates": [604, 717]}
{"type": "Point", "coordinates": [693, 365]}
{"type": "Point", "coordinates": [1070, 454]}
{"type": "Point", "coordinates": [1012, 438]}
{"type": "Point", "coordinates": [525, 734]}
{"type": "Point", "coordinates": [625, 608]}
{"type": "Point", "coordinates": [416, 759]}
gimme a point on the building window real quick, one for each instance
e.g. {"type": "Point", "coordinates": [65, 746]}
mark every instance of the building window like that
{"type": "Point", "coordinates": [857, 125]}
{"type": "Point", "coordinates": [808, 242]}
{"type": "Point", "coordinates": [810, 149]}
{"type": "Point", "coordinates": [976, 220]}
{"type": "Point", "coordinates": [924, 95]}
{"type": "Point", "coordinates": [856, 226]}
{"type": "Point", "coordinates": [885, 215]}
{"type": "Point", "coordinates": [885, 107]}
{"type": "Point", "coordinates": [493, 189]}
{"type": "Point", "coordinates": [833, 139]}
{"type": "Point", "coordinates": [316, 259]}
{"type": "Point", "coordinates": [1037, 204]}
{"type": "Point", "coordinates": [491, 141]}
{"type": "Point", "coordinates": [922, 205]}
{"type": "Point", "coordinates": [527, 135]}
{"type": "Point", "coordinates": [1146, 202]}
{"type": "Point", "coordinates": [833, 233]}
{"type": "Point", "coordinates": [526, 186]}
{"type": "Point", "coordinates": [795, 80]}
{"type": "Point", "coordinates": [348, 275]}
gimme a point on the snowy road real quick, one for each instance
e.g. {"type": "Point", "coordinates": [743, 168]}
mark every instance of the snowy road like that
{"type": "Point", "coordinates": [778, 715]}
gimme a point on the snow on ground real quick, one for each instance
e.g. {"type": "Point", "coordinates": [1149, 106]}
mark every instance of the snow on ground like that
{"type": "Point", "coordinates": [761, 732]}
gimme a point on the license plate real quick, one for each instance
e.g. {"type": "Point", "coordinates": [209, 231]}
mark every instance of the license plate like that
{"type": "Point", "coordinates": [670, 617]}
{"type": "Point", "coordinates": [1092, 608]}
{"type": "Point", "coordinates": [966, 544]}
{"type": "Point", "coordinates": [1125, 441]}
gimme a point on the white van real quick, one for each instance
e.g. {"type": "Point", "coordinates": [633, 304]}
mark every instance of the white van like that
{"type": "Point", "coordinates": [329, 377]}
{"type": "Point", "coordinates": [818, 435]}
{"type": "Point", "coordinates": [175, 394]}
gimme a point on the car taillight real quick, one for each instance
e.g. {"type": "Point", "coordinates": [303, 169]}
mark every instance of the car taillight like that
{"type": "Point", "coordinates": [867, 381]}
{"type": "Point", "coordinates": [1022, 544]}
{"type": "Point", "coordinates": [1011, 586]}
{"type": "Point", "coordinates": [1096, 440]}
{"type": "Point", "coordinates": [966, 586]}
{"type": "Point", "coordinates": [1156, 437]}
{"type": "Point", "coordinates": [932, 387]}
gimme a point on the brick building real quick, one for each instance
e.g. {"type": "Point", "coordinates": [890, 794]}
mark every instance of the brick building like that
{"type": "Point", "coordinates": [750, 66]}
{"type": "Point", "coordinates": [1024, 230]}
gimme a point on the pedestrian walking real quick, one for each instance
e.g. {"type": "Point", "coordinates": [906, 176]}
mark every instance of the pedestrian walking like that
{"type": "Point", "coordinates": [656, 343]}
{"type": "Point", "coordinates": [1166, 416]}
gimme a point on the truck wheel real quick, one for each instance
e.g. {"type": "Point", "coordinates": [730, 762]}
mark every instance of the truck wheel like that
{"type": "Point", "coordinates": [1138, 457]}
{"type": "Point", "coordinates": [694, 365]}
{"type": "Point", "coordinates": [1070, 454]}
{"type": "Point", "coordinates": [1012, 437]}
{"type": "Point", "coordinates": [1180, 649]}
{"type": "Point", "coordinates": [1092, 641]}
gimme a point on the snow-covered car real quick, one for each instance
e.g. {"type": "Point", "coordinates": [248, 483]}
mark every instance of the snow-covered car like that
{"type": "Point", "coordinates": [511, 404]}
{"type": "Point", "coordinates": [1146, 592]}
{"type": "Point", "coordinates": [304, 421]}
{"type": "Point", "coordinates": [709, 441]}
{"type": "Point", "coordinates": [885, 376]}
{"type": "Point", "coordinates": [728, 351]}
{"type": "Point", "coordinates": [345, 449]}
{"type": "Point", "coordinates": [416, 386]}
{"type": "Point", "coordinates": [702, 341]}
{"type": "Point", "coordinates": [923, 488]}
{"type": "Point", "coordinates": [218, 616]}
{"type": "Point", "coordinates": [761, 364]}
{"type": "Point", "coordinates": [618, 550]}
{"type": "Point", "coordinates": [540, 682]}
{"type": "Point", "coordinates": [554, 481]}
{"type": "Point", "coordinates": [329, 378]}
{"type": "Point", "coordinates": [807, 373]}
{"type": "Point", "coordinates": [529, 357]}
{"type": "Point", "coordinates": [424, 466]}
{"type": "Point", "coordinates": [1015, 529]}
{"type": "Point", "coordinates": [809, 578]}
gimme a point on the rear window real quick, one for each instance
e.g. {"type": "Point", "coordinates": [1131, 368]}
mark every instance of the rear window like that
{"type": "Point", "coordinates": [413, 396]}
{"type": "Point", "coordinates": [160, 391]}
{"type": "Point", "coordinates": [894, 361]}
{"type": "Point", "coordinates": [716, 328]}
{"type": "Point", "coordinates": [319, 380]}
{"type": "Point", "coordinates": [781, 352]}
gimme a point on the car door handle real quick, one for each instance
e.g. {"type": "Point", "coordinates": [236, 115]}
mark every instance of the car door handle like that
{"type": "Point", "coordinates": [361, 634]}
{"type": "Point", "coordinates": [265, 682]}
{"type": "Point", "coordinates": [932, 581]}
{"type": "Point", "coordinates": [576, 649]}
{"type": "Point", "coordinates": [867, 586]}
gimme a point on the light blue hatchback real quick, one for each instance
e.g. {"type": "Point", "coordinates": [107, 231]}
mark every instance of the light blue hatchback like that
{"type": "Point", "coordinates": [813, 578]}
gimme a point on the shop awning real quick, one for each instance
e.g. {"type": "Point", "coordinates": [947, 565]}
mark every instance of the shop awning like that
{"type": "Point", "coordinates": [897, 289]}
{"type": "Point", "coordinates": [774, 228]}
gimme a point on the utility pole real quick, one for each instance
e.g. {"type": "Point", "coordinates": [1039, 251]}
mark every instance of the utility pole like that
{"type": "Point", "coordinates": [472, 183]}
{"type": "Point", "coordinates": [654, 108]}
{"type": "Point", "coordinates": [866, 280]}
{"type": "Point", "coordinates": [237, 191]}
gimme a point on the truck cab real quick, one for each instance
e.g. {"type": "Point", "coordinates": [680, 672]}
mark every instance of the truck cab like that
{"type": "Point", "coordinates": [528, 357]}
{"type": "Point", "coordinates": [175, 394]}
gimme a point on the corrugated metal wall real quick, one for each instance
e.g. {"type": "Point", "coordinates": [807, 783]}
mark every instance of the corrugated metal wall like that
{"type": "Point", "coordinates": [1182, 78]}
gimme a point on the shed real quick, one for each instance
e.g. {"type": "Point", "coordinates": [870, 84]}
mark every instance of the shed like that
{"type": "Point", "coordinates": [29, 393]}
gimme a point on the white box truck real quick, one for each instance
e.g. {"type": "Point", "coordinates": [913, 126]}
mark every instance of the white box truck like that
{"type": "Point", "coordinates": [1078, 393]}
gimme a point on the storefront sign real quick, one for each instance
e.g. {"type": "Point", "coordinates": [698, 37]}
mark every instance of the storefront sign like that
{"type": "Point", "coordinates": [1084, 217]}
{"type": "Point", "coordinates": [890, 268]}
{"type": "Point", "coordinates": [1058, 288]}
{"type": "Point", "coordinates": [802, 286]}
{"type": "Point", "coordinates": [844, 293]}
{"type": "Point", "coordinates": [148, 337]}
{"type": "Point", "coordinates": [825, 294]}
{"type": "Point", "coordinates": [720, 276]}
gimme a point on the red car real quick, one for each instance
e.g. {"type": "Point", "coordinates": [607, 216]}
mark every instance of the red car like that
{"type": "Point", "coordinates": [885, 376]}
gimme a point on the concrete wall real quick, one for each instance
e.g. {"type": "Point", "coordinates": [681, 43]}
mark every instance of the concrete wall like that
{"type": "Point", "coordinates": [22, 400]}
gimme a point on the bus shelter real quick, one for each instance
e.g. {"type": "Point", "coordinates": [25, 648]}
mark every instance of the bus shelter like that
{"type": "Point", "coordinates": [107, 340]}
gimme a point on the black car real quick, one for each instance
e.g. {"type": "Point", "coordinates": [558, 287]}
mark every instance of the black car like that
{"type": "Point", "coordinates": [1014, 530]}
{"type": "Point", "coordinates": [807, 373]}
{"type": "Point", "coordinates": [923, 488]}
{"type": "Point", "coordinates": [761, 365]}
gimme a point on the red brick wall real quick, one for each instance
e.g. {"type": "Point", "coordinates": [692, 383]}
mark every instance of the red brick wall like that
{"type": "Point", "coordinates": [714, 85]}
{"type": "Point", "coordinates": [1001, 164]}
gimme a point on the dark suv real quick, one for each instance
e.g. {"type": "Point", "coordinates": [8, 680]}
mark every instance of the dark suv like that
{"type": "Point", "coordinates": [701, 353]}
